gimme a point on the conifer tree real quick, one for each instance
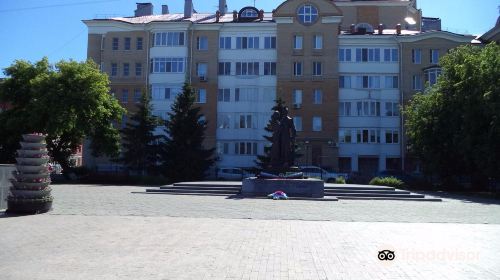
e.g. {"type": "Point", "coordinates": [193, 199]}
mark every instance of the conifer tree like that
{"type": "Point", "coordinates": [140, 144]}
{"type": "Point", "coordinates": [184, 157]}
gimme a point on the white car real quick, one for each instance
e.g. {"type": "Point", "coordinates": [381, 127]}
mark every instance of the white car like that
{"type": "Point", "coordinates": [320, 173]}
{"type": "Point", "coordinates": [232, 174]}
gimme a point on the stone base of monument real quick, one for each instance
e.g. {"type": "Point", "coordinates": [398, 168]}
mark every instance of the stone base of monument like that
{"type": "Point", "coordinates": [292, 187]}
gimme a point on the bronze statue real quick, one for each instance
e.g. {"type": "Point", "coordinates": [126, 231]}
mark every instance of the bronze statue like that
{"type": "Point", "coordinates": [283, 140]}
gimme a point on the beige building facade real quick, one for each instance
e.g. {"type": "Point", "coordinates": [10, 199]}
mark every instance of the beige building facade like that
{"type": "Point", "coordinates": [342, 67]}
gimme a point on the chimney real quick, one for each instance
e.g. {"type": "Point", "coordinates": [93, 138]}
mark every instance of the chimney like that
{"type": "Point", "coordinates": [188, 8]}
{"type": "Point", "coordinates": [235, 15]}
{"type": "Point", "coordinates": [398, 29]}
{"type": "Point", "coordinates": [353, 29]}
{"type": "Point", "coordinates": [222, 7]}
{"type": "Point", "coordinates": [164, 10]}
{"type": "Point", "coordinates": [261, 15]}
{"type": "Point", "coordinates": [380, 29]}
{"type": "Point", "coordinates": [144, 9]}
{"type": "Point", "coordinates": [217, 16]}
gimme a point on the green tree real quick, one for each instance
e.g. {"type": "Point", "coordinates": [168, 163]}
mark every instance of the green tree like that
{"type": "Point", "coordinates": [139, 143]}
{"type": "Point", "coordinates": [454, 127]}
{"type": "Point", "coordinates": [184, 157]}
{"type": "Point", "coordinates": [263, 161]}
{"type": "Point", "coordinates": [68, 101]}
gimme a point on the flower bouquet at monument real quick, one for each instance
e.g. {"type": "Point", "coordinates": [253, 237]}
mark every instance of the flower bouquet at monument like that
{"type": "Point", "coordinates": [30, 191]}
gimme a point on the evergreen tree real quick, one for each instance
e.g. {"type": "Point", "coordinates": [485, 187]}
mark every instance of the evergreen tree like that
{"type": "Point", "coordinates": [184, 157]}
{"type": "Point", "coordinates": [140, 147]}
{"type": "Point", "coordinates": [263, 161]}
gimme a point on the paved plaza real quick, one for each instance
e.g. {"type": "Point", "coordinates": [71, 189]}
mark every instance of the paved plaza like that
{"type": "Point", "coordinates": [109, 232]}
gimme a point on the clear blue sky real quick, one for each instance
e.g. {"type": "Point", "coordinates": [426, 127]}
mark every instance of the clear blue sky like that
{"type": "Point", "coordinates": [31, 29]}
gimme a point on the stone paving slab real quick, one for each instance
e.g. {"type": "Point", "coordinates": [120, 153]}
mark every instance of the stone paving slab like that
{"type": "Point", "coordinates": [118, 247]}
{"type": "Point", "coordinates": [94, 200]}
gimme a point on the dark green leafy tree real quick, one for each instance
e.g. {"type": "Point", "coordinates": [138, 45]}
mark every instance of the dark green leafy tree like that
{"type": "Point", "coordinates": [140, 144]}
{"type": "Point", "coordinates": [263, 161]}
{"type": "Point", "coordinates": [454, 128]}
{"type": "Point", "coordinates": [184, 157]}
{"type": "Point", "coordinates": [68, 101]}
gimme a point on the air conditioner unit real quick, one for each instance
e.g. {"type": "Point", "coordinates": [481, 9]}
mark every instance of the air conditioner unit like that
{"type": "Point", "coordinates": [297, 105]}
{"type": "Point", "coordinates": [203, 79]}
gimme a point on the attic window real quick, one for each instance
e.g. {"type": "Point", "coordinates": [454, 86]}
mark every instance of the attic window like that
{"type": "Point", "coordinates": [307, 14]}
{"type": "Point", "coordinates": [364, 28]}
{"type": "Point", "coordinates": [248, 14]}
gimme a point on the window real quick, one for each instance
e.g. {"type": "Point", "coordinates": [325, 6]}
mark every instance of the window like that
{"type": "Point", "coordinates": [432, 75]}
{"type": "Point", "coordinates": [225, 43]}
{"type": "Point", "coordinates": [345, 109]}
{"type": "Point", "coordinates": [270, 42]}
{"type": "Point", "coordinates": [224, 68]}
{"type": "Point", "coordinates": [224, 121]}
{"type": "Point", "coordinates": [139, 43]}
{"type": "Point", "coordinates": [392, 136]}
{"type": "Point", "coordinates": [368, 136]}
{"type": "Point", "coordinates": [246, 94]}
{"type": "Point", "coordinates": [370, 82]}
{"type": "Point", "coordinates": [247, 42]}
{"type": "Point", "coordinates": [114, 69]}
{"type": "Point", "coordinates": [202, 43]}
{"type": "Point", "coordinates": [391, 55]}
{"type": "Point", "coordinates": [317, 68]}
{"type": "Point", "coordinates": [249, 13]}
{"type": "Point", "coordinates": [124, 95]}
{"type": "Point", "coordinates": [270, 68]}
{"type": "Point", "coordinates": [345, 81]}
{"type": "Point", "coordinates": [201, 97]}
{"type": "Point", "coordinates": [138, 69]}
{"type": "Point", "coordinates": [247, 68]}
{"type": "Point", "coordinates": [318, 96]}
{"type": "Point", "coordinates": [160, 92]}
{"type": "Point", "coordinates": [297, 121]}
{"type": "Point", "coordinates": [137, 95]}
{"type": "Point", "coordinates": [245, 121]}
{"type": "Point", "coordinates": [169, 39]}
{"type": "Point", "coordinates": [124, 120]}
{"type": "Point", "coordinates": [168, 65]}
{"type": "Point", "coordinates": [297, 42]}
{"type": "Point", "coordinates": [367, 55]}
{"type": "Point", "coordinates": [224, 95]}
{"type": "Point", "coordinates": [317, 125]}
{"type": "Point", "coordinates": [127, 43]}
{"type": "Point", "coordinates": [391, 109]}
{"type": "Point", "coordinates": [416, 56]}
{"type": "Point", "coordinates": [297, 97]}
{"type": "Point", "coordinates": [368, 108]}
{"type": "Point", "coordinates": [391, 81]}
{"type": "Point", "coordinates": [434, 55]}
{"type": "Point", "coordinates": [417, 82]}
{"type": "Point", "coordinates": [345, 55]}
{"type": "Point", "coordinates": [115, 44]}
{"type": "Point", "coordinates": [345, 135]}
{"type": "Point", "coordinates": [245, 148]}
{"type": "Point", "coordinates": [297, 69]}
{"type": "Point", "coordinates": [126, 69]}
{"type": "Point", "coordinates": [307, 14]}
{"type": "Point", "coordinates": [201, 70]}
{"type": "Point", "coordinates": [318, 42]}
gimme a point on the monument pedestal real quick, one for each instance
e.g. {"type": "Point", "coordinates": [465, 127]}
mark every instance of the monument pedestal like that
{"type": "Point", "coordinates": [292, 187]}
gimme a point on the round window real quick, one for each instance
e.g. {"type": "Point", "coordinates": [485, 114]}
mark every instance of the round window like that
{"type": "Point", "coordinates": [307, 14]}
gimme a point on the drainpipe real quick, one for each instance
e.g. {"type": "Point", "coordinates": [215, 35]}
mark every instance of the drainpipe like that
{"type": "Point", "coordinates": [191, 29]}
{"type": "Point", "coordinates": [401, 101]}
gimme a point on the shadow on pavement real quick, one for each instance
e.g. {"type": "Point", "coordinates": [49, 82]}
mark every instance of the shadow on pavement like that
{"type": "Point", "coordinates": [463, 197]}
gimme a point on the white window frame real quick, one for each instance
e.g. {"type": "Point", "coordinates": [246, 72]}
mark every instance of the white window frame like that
{"type": "Point", "coordinates": [318, 42]}
{"type": "Point", "coordinates": [317, 124]}
{"type": "Point", "coordinates": [298, 42]}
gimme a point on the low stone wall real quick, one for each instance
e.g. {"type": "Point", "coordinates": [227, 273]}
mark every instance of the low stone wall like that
{"type": "Point", "coordinates": [292, 187]}
{"type": "Point", "coordinates": [5, 175]}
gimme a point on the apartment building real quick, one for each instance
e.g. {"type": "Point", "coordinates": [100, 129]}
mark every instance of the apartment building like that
{"type": "Point", "coordinates": [345, 68]}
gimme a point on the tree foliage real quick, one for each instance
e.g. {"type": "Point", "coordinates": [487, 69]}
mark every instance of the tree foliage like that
{"type": "Point", "coordinates": [454, 127]}
{"type": "Point", "coordinates": [68, 101]}
{"type": "Point", "coordinates": [139, 143]}
{"type": "Point", "coordinates": [263, 161]}
{"type": "Point", "coordinates": [184, 157]}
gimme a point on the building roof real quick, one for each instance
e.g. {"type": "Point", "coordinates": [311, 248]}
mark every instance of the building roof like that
{"type": "Point", "coordinates": [492, 33]}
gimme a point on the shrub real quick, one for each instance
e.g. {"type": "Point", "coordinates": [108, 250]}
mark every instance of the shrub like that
{"type": "Point", "coordinates": [339, 180]}
{"type": "Point", "coordinates": [387, 181]}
